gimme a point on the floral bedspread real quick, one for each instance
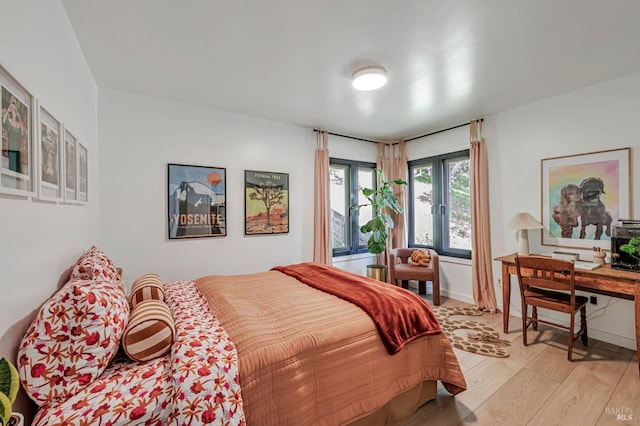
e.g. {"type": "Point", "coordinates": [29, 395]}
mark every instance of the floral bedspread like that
{"type": "Point", "coordinates": [197, 383]}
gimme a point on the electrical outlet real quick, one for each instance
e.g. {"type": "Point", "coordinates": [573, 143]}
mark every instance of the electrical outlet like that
{"type": "Point", "coordinates": [593, 300]}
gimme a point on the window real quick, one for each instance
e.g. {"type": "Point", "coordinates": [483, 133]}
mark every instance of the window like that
{"type": "Point", "coordinates": [440, 204]}
{"type": "Point", "coordinates": [347, 178]}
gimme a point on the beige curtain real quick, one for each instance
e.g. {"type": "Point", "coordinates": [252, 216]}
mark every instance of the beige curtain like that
{"type": "Point", "coordinates": [482, 275]}
{"type": "Point", "coordinates": [400, 171]}
{"type": "Point", "coordinates": [321, 202]}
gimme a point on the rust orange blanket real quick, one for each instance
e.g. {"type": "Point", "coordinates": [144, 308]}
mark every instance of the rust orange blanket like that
{"type": "Point", "coordinates": [400, 316]}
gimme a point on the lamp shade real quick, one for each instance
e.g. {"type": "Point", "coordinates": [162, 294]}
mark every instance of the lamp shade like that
{"type": "Point", "coordinates": [523, 222]}
{"type": "Point", "coordinates": [369, 78]}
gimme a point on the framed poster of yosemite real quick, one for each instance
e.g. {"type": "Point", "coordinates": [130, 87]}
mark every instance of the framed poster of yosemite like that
{"type": "Point", "coordinates": [197, 201]}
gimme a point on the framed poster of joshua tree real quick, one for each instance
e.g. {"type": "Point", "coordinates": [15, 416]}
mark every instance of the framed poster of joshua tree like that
{"type": "Point", "coordinates": [266, 203]}
{"type": "Point", "coordinates": [197, 201]}
{"type": "Point", "coordinates": [583, 196]}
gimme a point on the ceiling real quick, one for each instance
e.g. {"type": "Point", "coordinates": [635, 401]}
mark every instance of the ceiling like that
{"type": "Point", "coordinates": [448, 61]}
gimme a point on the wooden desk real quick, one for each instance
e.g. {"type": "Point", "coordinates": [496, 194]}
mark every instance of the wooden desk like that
{"type": "Point", "coordinates": [604, 280]}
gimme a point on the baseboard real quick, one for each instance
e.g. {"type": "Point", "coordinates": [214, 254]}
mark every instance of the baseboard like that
{"type": "Point", "coordinates": [605, 336]}
{"type": "Point", "coordinates": [413, 285]}
{"type": "Point", "coordinates": [458, 296]}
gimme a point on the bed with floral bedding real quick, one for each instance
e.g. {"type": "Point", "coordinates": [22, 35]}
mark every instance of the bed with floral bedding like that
{"type": "Point", "coordinates": [257, 349]}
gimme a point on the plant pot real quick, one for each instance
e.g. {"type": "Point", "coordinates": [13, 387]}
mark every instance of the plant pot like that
{"type": "Point", "coordinates": [16, 420]}
{"type": "Point", "coordinates": [377, 272]}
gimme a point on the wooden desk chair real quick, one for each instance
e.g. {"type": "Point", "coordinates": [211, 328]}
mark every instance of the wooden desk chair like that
{"type": "Point", "coordinates": [401, 269]}
{"type": "Point", "coordinates": [550, 284]}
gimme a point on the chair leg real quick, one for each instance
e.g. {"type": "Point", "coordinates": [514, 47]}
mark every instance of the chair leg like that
{"type": "Point", "coordinates": [583, 325]}
{"type": "Point", "coordinates": [524, 324]}
{"type": "Point", "coordinates": [436, 292]}
{"type": "Point", "coordinates": [405, 283]}
{"type": "Point", "coordinates": [422, 287]}
{"type": "Point", "coordinates": [534, 314]}
{"type": "Point", "coordinates": [572, 324]}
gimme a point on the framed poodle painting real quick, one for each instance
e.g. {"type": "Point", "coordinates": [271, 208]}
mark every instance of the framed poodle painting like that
{"type": "Point", "coordinates": [583, 197]}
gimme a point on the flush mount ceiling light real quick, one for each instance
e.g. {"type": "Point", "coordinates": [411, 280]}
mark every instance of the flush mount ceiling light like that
{"type": "Point", "coordinates": [369, 78]}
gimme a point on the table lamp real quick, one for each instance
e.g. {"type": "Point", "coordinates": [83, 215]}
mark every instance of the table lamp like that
{"type": "Point", "coordinates": [523, 222]}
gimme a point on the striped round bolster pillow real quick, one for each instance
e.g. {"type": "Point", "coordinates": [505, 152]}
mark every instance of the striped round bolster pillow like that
{"type": "Point", "coordinates": [147, 287]}
{"type": "Point", "coordinates": [150, 331]}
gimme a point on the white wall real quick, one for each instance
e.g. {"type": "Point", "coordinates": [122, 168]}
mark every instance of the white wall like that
{"type": "Point", "coordinates": [40, 241]}
{"type": "Point", "coordinates": [140, 135]}
{"type": "Point", "coordinates": [596, 118]}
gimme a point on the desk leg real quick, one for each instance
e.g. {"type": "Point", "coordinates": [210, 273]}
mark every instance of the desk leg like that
{"type": "Point", "coordinates": [637, 304]}
{"type": "Point", "coordinates": [506, 296]}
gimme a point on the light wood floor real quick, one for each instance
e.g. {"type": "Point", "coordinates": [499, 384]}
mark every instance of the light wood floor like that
{"type": "Point", "coordinates": [536, 385]}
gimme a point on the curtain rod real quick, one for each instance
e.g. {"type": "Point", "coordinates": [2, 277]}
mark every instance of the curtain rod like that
{"type": "Point", "coordinates": [345, 136]}
{"type": "Point", "coordinates": [440, 131]}
{"type": "Point", "coordinates": [395, 143]}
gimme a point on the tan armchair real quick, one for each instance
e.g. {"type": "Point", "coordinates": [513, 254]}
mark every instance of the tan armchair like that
{"type": "Point", "coordinates": [401, 269]}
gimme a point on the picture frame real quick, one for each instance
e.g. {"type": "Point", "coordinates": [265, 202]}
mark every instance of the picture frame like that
{"type": "Point", "coordinates": [70, 167]}
{"type": "Point", "coordinates": [583, 196]}
{"type": "Point", "coordinates": [82, 174]}
{"type": "Point", "coordinates": [197, 201]}
{"type": "Point", "coordinates": [266, 203]}
{"type": "Point", "coordinates": [49, 149]}
{"type": "Point", "coordinates": [17, 169]}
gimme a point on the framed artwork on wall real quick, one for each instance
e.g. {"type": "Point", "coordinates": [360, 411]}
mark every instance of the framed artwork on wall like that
{"type": "Point", "coordinates": [83, 169]}
{"type": "Point", "coordinates": [70, 176]}
{"type": "Point", "coordinates": [197, 203]}
{"type": "Point", "coordinates": [266, 203]}
{"type": "Point", "coordinates": [50, 158]}
{"type": "Point", "coordinates": [17, 175]}
{"type": "Point", "coordinates": [583, 196]}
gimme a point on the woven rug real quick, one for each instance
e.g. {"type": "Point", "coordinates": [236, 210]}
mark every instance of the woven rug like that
{"type": "Point", "coordinates": [483, 340]}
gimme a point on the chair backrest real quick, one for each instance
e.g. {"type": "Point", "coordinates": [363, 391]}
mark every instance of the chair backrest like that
{"type": "Point", "coordinates": [403, 253]}
{"type": "Point", "coordinates": [545, 273]}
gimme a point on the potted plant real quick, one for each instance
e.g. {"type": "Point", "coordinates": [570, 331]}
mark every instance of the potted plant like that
{"type": "Point", "coordinates": [9, 385]}
{"type": "Point", "coordinates": [383, 203]}
{"type": "Point", "coordinates": [632, 248]}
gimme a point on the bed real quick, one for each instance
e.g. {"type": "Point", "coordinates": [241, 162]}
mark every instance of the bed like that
{"type": "Point", "coordinates": [263, 349]}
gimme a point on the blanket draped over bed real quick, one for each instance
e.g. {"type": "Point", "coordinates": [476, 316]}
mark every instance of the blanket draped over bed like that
{"type": "Point", "coordinates": [308, 357]}
{"type": "Point", "coordinates": [400, 316]}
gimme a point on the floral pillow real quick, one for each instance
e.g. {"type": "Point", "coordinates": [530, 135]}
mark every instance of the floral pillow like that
{"type": "Point", "coordinates": [95, 265]}
{"type": "Point", "coordinates": [72, 339]}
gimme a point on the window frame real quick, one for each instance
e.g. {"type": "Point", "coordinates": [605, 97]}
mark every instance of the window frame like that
{"type": "Point", "coordinates": [353, 227]}
{"type": "Point", "coordinates": [440, 203]}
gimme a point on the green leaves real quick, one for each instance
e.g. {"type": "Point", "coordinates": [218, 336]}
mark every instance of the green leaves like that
{"type": "Point", "coordinates": [383, 202]}
{"type": "Point", "coordinates": [632, 248]}
{"type": "Point", "coordinates": [9, 385]}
